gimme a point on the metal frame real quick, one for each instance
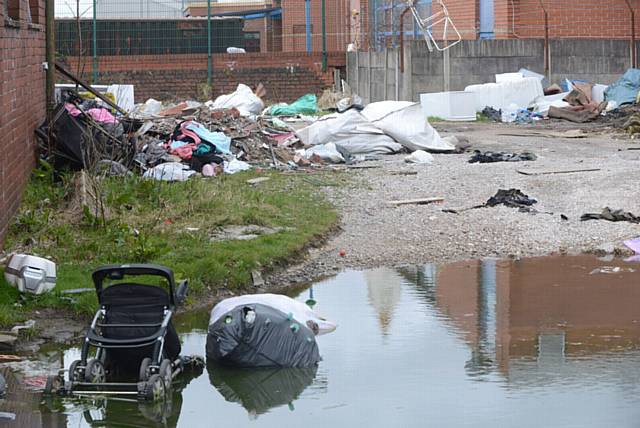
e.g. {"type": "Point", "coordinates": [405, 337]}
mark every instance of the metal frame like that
{"type": "Point", "coordinates": [426, 24]}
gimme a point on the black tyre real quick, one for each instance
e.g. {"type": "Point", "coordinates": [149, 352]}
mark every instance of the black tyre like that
{"type": "Point", "coordinates": [143, 374]}
{"type": "Point", "coordinates": [94, 372]}
{"type": "Point", "coordinates": [166, 372]}
{"type": "Point", "coordinates": [75, 372]}
{"type": "Point", "coordinates": [53, 385]}
{"type": "Point", "coordinates": [154, 389]}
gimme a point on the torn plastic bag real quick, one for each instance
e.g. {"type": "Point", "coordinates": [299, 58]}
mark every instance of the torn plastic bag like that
{"type": "Point", "coordinates": [256, 335]}
{"type": "Point", "coordinates": [243, 99]}
{"type": "Point", "coordinates": [170, 171]}
{"type": "Point", "coordinates": [306, 104]}
{"type": "Point", "coordinates": [625, 90]}
{"type": "Point", "coordinates": [351, 132]}
{"type": "Point", "coordinates": [327, 152]}
{"type": "Point", "coordinates": [299, 310]}
{"type": "Point", "coordinates": [406, 123]}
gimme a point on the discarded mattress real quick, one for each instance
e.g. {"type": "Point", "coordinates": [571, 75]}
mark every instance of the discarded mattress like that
{"type": "Point", "coordinates": [500, 96]}
{"type": "Point", "coordinates": [351, 132]}
{"type": "Point", "coordinates": [406, 123]}
{"type": "Point", "coordinates": [625, 90]}
{"type": "Point", "coordinates": [264, 330]}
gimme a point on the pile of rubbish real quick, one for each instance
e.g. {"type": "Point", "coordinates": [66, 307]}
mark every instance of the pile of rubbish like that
{"type": "Point", "coordinates": [523, 98]}
{"type": "Point", "coordinates": [232, 133]}
{"type": "Point", "coordinates": [490, 157]}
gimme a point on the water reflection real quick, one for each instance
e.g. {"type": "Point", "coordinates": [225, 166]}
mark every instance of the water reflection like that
{"type": "Point", "coordinates": [479, 343]}
{"type": "Point", "coordinates": [259, 391]}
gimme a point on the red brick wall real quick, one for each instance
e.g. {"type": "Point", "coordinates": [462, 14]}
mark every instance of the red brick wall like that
{"type": "Point", "coordinates": [286, 76]}
{"type": "Point", "coordinates": [336, 23]}
{"type": "Point", "coordinates": [22, 103]}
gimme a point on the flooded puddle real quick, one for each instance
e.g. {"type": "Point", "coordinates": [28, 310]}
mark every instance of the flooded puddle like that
{"type": "Point", "coordinates": [529, 343]}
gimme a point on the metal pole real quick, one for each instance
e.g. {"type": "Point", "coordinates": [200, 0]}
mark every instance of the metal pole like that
{"type": "Point", "coordinates": [633, 52]}
{"type": "Point", "coordinates": [50, 55]}
{"type": "Point", "coordinates": [209, 56]}
{"type": "Point", "coordinates": [324, 36]}
{"type": "Point", "coordinates": [307, 17]}
{"type": "Point", "coordinates": [94, 40]}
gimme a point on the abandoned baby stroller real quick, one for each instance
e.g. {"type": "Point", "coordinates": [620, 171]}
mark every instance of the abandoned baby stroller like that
{"type": "Point", "coordinates": [132, 335]}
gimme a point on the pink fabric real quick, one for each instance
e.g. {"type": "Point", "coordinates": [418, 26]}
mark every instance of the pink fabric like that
{"type": "Point", "coordinates": [73, 110]}
{"type": "Point", "coordinates": [101, 115]}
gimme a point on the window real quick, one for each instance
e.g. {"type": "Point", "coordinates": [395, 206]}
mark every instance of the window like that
{"type": "Point", "coordinates": [12, 9]}
{"type": "Point", "coordinates": [34, 11]}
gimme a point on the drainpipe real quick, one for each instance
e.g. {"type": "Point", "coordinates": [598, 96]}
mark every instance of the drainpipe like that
{"type": "Point", "coordinates": [634, 54]}
{"type": "Point", "coordinates": [50, 46]}
{"type": "Point", "coordinates": [547, 54]}
{"type": "Point", "coordinates": [307, 19]}
{"type": "Point", "coordinates": [95, 45]}
{"type": "Point", "coordinates": [324, 37]}
{"type": "Point", "coordinates": [209, 56]}
{"type": "Point", "coordinates": [401, 59]}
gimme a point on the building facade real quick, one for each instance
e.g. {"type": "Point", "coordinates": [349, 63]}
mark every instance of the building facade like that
{"type": "Point", "coordinates": [22, 98]}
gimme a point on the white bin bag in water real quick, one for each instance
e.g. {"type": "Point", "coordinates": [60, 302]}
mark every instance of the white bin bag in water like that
{"type": "Point", "coordinates": [287, 305]}
{"type": "Point", "coordinates": [350, 132]}
{"type": "Point", "coordinates": [406, 123]}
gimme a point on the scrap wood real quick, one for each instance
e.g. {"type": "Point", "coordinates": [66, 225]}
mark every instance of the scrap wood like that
{"type": "Point", "coordinates": [258, 180]}
{"type": "Point", "coordinates": [573, 133]}
{"type": "Point", "coordinates": [566, 171]}
{"type": "Point", "coordinates": [404, 172]}
{"type": "Point", "coordinates": [66, 73]}
{"type": "Point", "coordinates": [421, 201]}
{"type": "Point", "coordinates": [6, 358]}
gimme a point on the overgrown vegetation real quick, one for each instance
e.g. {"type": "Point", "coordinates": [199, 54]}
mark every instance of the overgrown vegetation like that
{"type": "Point", "coordinates": [132, 220]}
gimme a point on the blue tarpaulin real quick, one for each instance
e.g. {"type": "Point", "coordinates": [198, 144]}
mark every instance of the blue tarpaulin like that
{"type": "Point", "coordinates": [625, 90]}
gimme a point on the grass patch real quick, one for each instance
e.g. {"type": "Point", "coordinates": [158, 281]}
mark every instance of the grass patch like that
{"type": "Point", "coordinates": [150, 221]}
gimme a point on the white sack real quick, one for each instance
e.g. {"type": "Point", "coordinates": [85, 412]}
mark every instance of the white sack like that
{"type": "Point", "coordinates": [300, 312]}
{"type": "Point", "coordinates": [327, 152]}
{"type": "Point", "coordinates": [243, 99]}
{"type": "Point", "coordinates": [350, 132]}
{"type": "Point", "coordinates": [406, 123]}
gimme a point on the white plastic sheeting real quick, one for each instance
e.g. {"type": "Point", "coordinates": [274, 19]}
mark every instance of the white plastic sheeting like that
{"type": "Point", "coordinates": [406, 123]}
{"type": "Point", "coordinates": [170, 171]}
{"type": "Point", "coordinates": [298, 310]}
{"type": "Point", "coordinates": [243, 99]}
{"type": "Point", "coordinates": [351, 132]}
{"type": "Point", "coordinates": [542, 104]}
{"type": "Point", "coordinates": [500, 96]}
{"type": "Point", "coordinates": [327, 152]}
{"type": "Point", "coordinates": [381, 128]}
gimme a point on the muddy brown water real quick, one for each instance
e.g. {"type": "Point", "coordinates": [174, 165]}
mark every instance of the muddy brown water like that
{"type": "Point", "coordinates": [542, 342]}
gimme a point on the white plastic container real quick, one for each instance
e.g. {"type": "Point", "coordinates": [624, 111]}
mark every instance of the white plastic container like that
{"type": "Point", "coordinates": [31, 274]}
{"type": "Point", "coordinates": [500, 95]}
{"type": "Point", "coordinates": [451, 106]}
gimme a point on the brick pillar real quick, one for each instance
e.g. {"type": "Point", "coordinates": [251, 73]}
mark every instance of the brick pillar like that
{"type": "Point", "coordinates": [503, 14]}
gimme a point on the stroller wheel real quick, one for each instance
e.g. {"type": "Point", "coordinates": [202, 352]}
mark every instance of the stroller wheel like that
{"type": "Point", "coordinates": [154, 388]}
{"type": "Point", "coordinates": [95, 373]}
{"type": "Point", "coordinates": [165, 372]}
{"type": "Point", "coordinates": [53, 385]}
{"type": "Point", "coordinates": [75, 372]}
{"type": "Point", "coordinates": [143, 375]}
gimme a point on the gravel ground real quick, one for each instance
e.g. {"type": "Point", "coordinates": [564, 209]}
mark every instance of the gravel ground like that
{"type": "Point", "coordinates": [374, 233]}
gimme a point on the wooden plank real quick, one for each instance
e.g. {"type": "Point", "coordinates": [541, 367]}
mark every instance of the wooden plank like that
{"type": "Point", "coordinates": [566, 171]}
{"type": "Point", "coordinates": [258, 180]}
{"type": "Point", "coordinates": [421, 201]}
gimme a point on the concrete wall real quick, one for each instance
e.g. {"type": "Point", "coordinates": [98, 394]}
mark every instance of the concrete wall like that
{"type": "Point", "coordinates": [477, 61]}
{"type": "Point", "coordinates": [22, 99]}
